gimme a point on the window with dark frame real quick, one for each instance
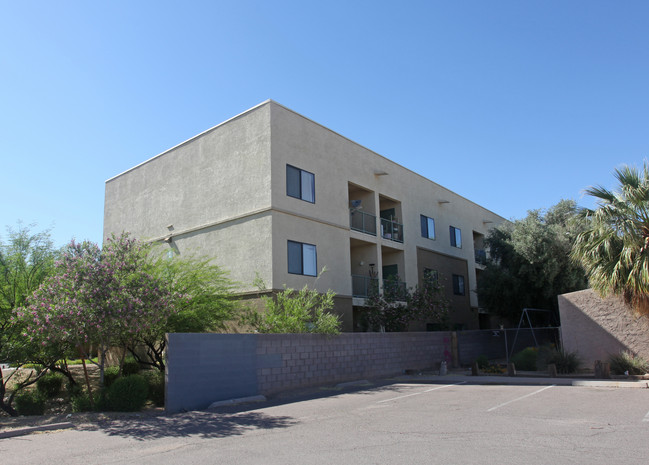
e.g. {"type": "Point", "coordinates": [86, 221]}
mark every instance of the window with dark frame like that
{"type": "Point", "coordinates": [427, 227]}
{"type": "Point", "coordinates": [302, 259]}
{"type": "Point", "coordinates": [456, 237]}
{"type": "Point", "coordinates": [458, 284]}
{"type": "Point", "coordinates": [300, 184]}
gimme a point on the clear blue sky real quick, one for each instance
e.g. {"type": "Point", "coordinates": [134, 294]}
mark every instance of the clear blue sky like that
{"type": "Point", "coordinates": [512, 104]}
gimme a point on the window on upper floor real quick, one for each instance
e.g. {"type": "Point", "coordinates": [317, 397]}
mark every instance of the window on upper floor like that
{"type": "Point", "coordinates": [302, 259]}
{"type": "Point", "coordinates": [427, 227]}
{"type": "Point", "coordinates": [458, 284]}
{"type": "Point", "coordinates": [456, 237]}
{"type": "Point", "coordinates": [300, 184]}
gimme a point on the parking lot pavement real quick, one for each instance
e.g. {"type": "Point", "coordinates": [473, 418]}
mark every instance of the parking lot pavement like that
{"type": "Point", "coordinates": [398, 422]}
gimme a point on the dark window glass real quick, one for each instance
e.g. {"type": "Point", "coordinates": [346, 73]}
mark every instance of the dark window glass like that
{"type": "Point", "coordinates": [294, 257]}
{"type": "Point", "coordinates": [456, 237]}
{"type": "Point", "coordinates": [293, 182]}
{"type": "Point", "coordinates": [427, 227]}
{"type": "Point", "coordinates": [300, 184]}
{"type": "Point", "coordinates": [458, 284]}
{"type": "Point", "coordinates": [302, 259]}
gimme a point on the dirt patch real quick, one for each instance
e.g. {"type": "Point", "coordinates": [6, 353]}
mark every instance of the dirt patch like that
{"type": "Point", "coordinates": [59, 409]}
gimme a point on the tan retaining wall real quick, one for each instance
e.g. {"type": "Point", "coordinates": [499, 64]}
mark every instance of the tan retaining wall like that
{"type": "Point", "coordinates": [596, 327]}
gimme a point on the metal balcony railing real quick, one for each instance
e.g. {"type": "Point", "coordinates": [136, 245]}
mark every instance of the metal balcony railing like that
{"type": "Point", "coordinates": [391, 230]}
{"type": "Point", "coordinates": [363, 222]}
{"type": "Point", "coordinates": [362, 286]}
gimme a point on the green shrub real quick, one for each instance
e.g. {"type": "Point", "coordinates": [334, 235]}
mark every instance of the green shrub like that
{"type": "Point", "coordinates": [627, 362]}
{"type": "Point", "coordinates": [110, 375]}
{"type": "Point", "coordinates": [50, 385]}
{"type": "Point", "coordinates": [482, 361]}
{"type": "Point", "coordinates": [80, 402]}
{"type": "Point", "coordinates": [156, 380]}
{"type": "Point", "coordinates": [544, 354]}
{"type": "Point", "coordinates": [127, 394]}
{"type": "Point", "coordinates": [74, 389]}
{"type": "Point", "coordinates": [494, 369]}
{"type": "Point", "coordinates": [525, 360]}
{"type": "Point", "coordinates": [130, 367]}
{"type": "Point", "coordinates": [30, 403]}
{"type": "Point", "coordinates": [566, 362]}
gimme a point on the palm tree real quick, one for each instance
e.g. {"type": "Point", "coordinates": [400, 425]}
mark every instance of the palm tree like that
{"type": "Point", "coordinates": [614, 250]}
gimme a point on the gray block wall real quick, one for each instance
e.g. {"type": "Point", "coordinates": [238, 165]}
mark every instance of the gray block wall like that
{"type": "Point", "coordinates": [204, 368]}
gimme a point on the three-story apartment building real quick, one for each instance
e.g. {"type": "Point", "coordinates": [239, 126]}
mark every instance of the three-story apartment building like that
{"type": "Point", "coordinates": [270, 193]}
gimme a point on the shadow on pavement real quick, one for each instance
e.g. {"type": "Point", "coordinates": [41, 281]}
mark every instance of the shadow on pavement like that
{"type": "Point", "coordinates": [199, 423]}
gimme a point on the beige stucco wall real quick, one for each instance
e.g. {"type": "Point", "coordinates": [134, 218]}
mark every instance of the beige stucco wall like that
{"type": "Point", "coordinates": [338, 162]}
{"type": "Point", "coordinates": [240, 247]}
{"type": "Point", "coordinates": [332, 249]}
{"type": "Point", "coordinates": [596, 327]}
{"type": "Point", "coordinates": [215, 191]}
{"type": "Point", "coordinates": [224, 192]}
{"type": "Point", "coordinates": [221, 174]}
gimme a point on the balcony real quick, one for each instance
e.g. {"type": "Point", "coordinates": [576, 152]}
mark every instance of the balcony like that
{"type": "Point", "coordinates": [391, 230]}
{"type": "Point", "coordinates": [362, 222]}
{"type": "Point", "coordinates": [481, 256]}
{"type": "Point", "coordinates": [362, 286]}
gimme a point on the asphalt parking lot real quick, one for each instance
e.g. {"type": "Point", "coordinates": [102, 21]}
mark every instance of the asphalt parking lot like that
{"type": "Point", "coordinates": [393, 422]}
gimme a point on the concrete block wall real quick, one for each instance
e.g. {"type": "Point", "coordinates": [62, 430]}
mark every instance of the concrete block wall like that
{"type": "Point", "coordinates": [204, 368]}
{"type": "Point", "coordinates": [595, 328]}
{"type": "Point", "coordinates": [301, 360]}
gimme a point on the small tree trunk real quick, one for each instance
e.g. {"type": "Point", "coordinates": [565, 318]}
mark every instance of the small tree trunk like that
{"type": "Point", "coordinates": [121, 361]}
{"type": "Point", "coordinates": [6, 407]}
{"type": "Point", "coordinates": [64, 370]}
{"type": "Point", "coordinates": [85, 372]}
{"type": "Point", "coordinates": [101, 353]}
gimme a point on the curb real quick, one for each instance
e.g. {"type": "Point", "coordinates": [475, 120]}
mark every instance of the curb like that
{"type": "Point", "coordinates": [34, 429]}
{"type": "Point", "coordinates": [614, 384]}
{"type": "Point", "coordinates": [361, 382]}
{"type": "Point", "coordinates": [522, 380]}
{"type": "Point", "coordinates": [241, 400]}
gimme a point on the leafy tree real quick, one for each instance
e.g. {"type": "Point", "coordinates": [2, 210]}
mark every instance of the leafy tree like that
{"type": "Point", "coordinates": [26, 259]}
{"type": "Point", "coordinates": [392, 310]}
{"type": "Point", "coordinates": [614, 248]}
{"type": "Point", "coordinates": [529, 262]}
{"type": "Point", "coordinates": [291, 311]}
{"type": "Point", "coordinates": [203, 299]}
{"type": "Point", "coordinates": [97, 298]}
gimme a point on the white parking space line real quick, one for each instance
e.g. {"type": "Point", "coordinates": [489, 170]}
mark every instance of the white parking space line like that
{"type": "Point", "coordinates": [421, 392]}
{"type": "Point", "coordinates": [520, 398]}
{"type": "Point", "coordinates": [646, 417]}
